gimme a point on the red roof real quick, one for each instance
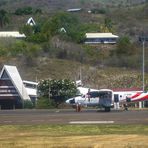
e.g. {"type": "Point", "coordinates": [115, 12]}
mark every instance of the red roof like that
{"type": "Point", "coordinates": [127, 89]}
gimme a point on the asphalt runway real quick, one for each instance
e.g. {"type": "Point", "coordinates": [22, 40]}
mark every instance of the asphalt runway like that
{"type": "Point", "coordinates": [69, 116]}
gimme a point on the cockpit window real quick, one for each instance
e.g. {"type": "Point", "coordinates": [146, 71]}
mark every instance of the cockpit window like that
{"type": "Point", "coordinates": [72, 101]}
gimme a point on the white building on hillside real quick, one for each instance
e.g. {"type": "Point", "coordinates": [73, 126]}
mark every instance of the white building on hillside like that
{"type": "Point", "coordinates": [31, 22]}
{"type": "Point", "coordinates": [13, 34]}
{"type": "Point", "coordinates": [94, 38]}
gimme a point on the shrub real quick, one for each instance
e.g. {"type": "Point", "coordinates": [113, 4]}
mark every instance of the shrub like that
{"type": "Point", "coordinates": [99, 11]}
{"type": "Point", "coordinates": [28, 104]}
{"type": "Point", "coordinates": [57, 90]}
{"type": "Point", "coordinates": [24, 11]}
{"type": "Point", "coordinates": [45, 103]}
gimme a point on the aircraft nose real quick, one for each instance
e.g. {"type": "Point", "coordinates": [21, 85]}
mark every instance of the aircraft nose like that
{"type": "Point", "coordinates": [67, 101]}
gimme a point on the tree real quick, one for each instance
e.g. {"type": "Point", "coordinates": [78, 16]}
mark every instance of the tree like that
{"type": "Point", "coordinates": [107, 26]}
{"type": "Point", "coordinates": [64, 20]}
{"type": "Point", "coordinates": [24, 11]}
{"type": "Point", "coordinates": [4, 19]}
{"type": "Point", "coordinates": [43, 32]}
{"type": "Point", "coordinates": [123, 46]}
{"type": "Point", "coordinates": [27, 30]}
{"type": "Point", "coordinates": [57, 90]}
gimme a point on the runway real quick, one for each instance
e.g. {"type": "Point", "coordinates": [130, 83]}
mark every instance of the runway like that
{"type": "Point", "coordinates": [69, 116]}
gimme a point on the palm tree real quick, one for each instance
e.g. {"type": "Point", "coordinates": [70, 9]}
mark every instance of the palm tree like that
{"type": "Point", "coordinates": [4, 19]}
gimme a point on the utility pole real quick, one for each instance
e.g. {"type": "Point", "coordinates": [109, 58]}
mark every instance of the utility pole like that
{"type": "Point", "coordinates": [143, 65]}
{"type": "Point", "coordinates": [143, 39]}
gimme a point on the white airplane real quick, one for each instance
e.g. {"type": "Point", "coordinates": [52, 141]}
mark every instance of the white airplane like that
{"type": "Point", "coordinates": [105, 98]}
{"type": "Point", "coordinates": [92, 97]}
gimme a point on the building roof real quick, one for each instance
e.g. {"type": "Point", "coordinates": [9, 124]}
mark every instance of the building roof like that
{"type": "Point", "coordinates": [127, 89]}
{"type": "Point", "coordinates": [15, 34]}
{"type": "Point", "coordinates": [31, 21]}
{"type": "Point", "coordinates": [31, 87]}
{"type": "Point", "coordinates": [15, 78]}
{"type": "Point", "coordinates": [74, 9]}
{"type": "Point", "coordinates": [30, 82]}
{"type": "Point", "coordinates": [100, 35]}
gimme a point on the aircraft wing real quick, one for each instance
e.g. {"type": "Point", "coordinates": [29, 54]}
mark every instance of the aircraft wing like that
{"type": "Point", "coordinates": [84, 90]}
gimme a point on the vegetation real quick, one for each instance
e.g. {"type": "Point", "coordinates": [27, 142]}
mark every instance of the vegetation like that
{"type": "Point", "coordinates": [27, 11]}
{"type": "Point", "coordinates": [4, 19]}
{"type": "Point", "coordinates": [70, 135]}
{"type": "Point", "coordinates": [55, 92]}
{"type": "Point", "coordinates": [45, 40]}
{"type": "Point", "coordinates": [28, 104]}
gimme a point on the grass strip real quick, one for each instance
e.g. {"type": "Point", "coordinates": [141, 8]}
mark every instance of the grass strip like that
{"type": "Point", "coordinates": [73, 136]}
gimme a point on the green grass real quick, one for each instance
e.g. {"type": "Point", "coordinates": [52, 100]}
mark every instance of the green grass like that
{"type": "Point", "coordinates": [73, 136]}
{"type": "Point", "coordinates": [75, 130]}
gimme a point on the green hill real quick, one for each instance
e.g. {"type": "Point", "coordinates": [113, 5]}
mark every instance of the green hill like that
{"type": "Point", "coordinates": [62, 58]}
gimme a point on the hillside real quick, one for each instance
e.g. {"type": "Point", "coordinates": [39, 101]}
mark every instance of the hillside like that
{"type": "Point", "coordinates": [49, 5]}
{"type": "Point", "coordinates": [129, 15]}
{"type": "Point", "coordinates": [100, 71]}
{"type": "Point", "coordinates": [95, 77]}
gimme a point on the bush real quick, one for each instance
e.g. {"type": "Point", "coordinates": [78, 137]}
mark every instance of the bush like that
{"type": "Point", "coordinates": [45, 103]}
{"type": "Point", "coordinates": [28, 104]}
{"type": "Point", "coordinates": [24, 11]}
{"type": "Point", "coordinates": [98, 11]}
{"type": "Point", "coordinates": [59, 91]}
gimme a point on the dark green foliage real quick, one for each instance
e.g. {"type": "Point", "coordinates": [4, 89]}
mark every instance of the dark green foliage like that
{"type": "Point", "coordinates": [43, 32]}
{"type": "Point", "coordinates": [64, 20]}
{"type": "Point", "coordinates": [45, 103]}
{"type": "Point", "coordinates": [98, 11]}
{"type": "Point", "coordinates": [76, 33]}
{"type": "Point", "coordinates": [123, 46]}
{"type": "Point", "coordinates": [27, 50]}
{"type": "Point", "coordinates": [70, 23]}
{"type": "Point", "coordinates": [19, 11]}
{"type": "Point", "coordinates": [27, 11]}
{"type": "Point", "coordinates": [24, 11]}
{"type": "Point", "coordinates": [38, 11]}
{"type": "Point", "coordinates": [3, 2]}
{"type": "Point", "coordinates": [108, 24]}
{"type": "Point", "coordinates": [28, 104]}
{"type": "Point", "coordinates": [4, 19]}
{"type": "Point", "coordinates": [3, 51]}
{"type": "Point", "coordinates": [27, 30]}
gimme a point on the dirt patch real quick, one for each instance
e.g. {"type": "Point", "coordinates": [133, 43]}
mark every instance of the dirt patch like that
{"type": "Point", "coordinates": [105, 141]}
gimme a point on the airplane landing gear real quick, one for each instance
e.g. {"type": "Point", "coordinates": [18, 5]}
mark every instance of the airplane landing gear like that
{"type": "Point", "coordinates": [78, 107]}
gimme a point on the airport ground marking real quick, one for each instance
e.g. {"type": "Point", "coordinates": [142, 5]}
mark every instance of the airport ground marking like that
{"type": "Point", "coordinates": [91, 122]}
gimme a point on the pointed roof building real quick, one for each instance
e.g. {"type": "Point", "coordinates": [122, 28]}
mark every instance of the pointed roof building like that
{"type": "Point", "coordinates": [11, 73]}
{"type": "Point", "coordinates": [12, 89]}
{"type": "Point", "coordinates": [31, 22]}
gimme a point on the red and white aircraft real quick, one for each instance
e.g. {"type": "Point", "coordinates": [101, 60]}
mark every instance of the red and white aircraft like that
{"type": "Point", "coordinates": [121, 94]}
{"type": "Point", "coordinates": [143, 96]}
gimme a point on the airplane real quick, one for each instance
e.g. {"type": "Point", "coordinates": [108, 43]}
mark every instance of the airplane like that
{"type": "Point", "coordinates": [101, 98]}
{"type": "Point", "coordinates": [143, 96]}
{"type": "Point", "coordinates": [92, 97]}
{"type": "Point", "coordinates": [121, 95]}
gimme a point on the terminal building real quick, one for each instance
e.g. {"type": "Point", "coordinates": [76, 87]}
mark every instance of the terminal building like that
{"type": "Point", "coordinates": [13, 90]}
